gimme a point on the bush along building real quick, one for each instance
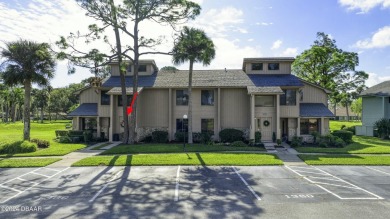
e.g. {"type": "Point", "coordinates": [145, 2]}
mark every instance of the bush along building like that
{"type": "Point", "coordinates": [262, 97]}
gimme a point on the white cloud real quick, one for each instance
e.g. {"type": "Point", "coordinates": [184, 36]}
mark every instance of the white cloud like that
{"type": "Point", "coordinates": [364, 5]}
{"type": "Point", "coordinates": [290, 52]}
{"type": "Point", "coordinates": [200, 2]}
{"type": "Point", "coordinates": [263, 23]}
{"type": "Point", "coordinates": [276, 44]}
{"type": "Point", "coordinates": [375, 79]}
{"type": "Point", "coordinates": [379, 39]}
{"type": "Point", "coordinates": [250, 40]}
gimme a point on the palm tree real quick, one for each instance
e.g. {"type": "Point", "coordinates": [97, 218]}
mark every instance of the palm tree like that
{"type": "Point", "coordinates": [27, 62]}
{"type": "Point", "coordinates": [192, 45]}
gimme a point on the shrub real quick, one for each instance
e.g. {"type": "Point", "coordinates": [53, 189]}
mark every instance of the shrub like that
{"type": "Point", "coordinates": [338, 142]}
{"type": "Point", "coordinates": [160, 136]}
{"type": "Point", "coordinates": [351, 129]}
{"type": "Point", "coordinates": [65, 139]}
{"type": "Point", "coordinates": [231, 135]}
{"type": "Point", "coordinates": [342, 127]}
{"type": "Point", "coordinates": [322, 144]}
{"type": "Point", "coordinates": [41, 143]}
{"type": "Point", "coordinates": [147, 139]}
{"type": "Point", "coordinates": [273, 137]}
{"type": "Point", "coordinates": [343, 134]}
{"type": "Point", "coordinates": [279, 142]}
{"type": "Point", "coordinates": [315, 136]}
{"type": "Point", "coordinates": [87, 136]}
{"type": "Point", "coordinates": [75, 133]}
{"type": "Point", "coordinates": [179, 136]}
{"type": "Point", "coordinates": [60, 133]}
{"type": "Point", "coordinates": [27, 146]}
{"type": "Point", "coordinates": [238, 144]}
{"type": "Point", "coordinates": [13, 147]}
{"type": "Point", "coordinates": [205, 137]}
{"type": "Point", "coordinates": [383, 127]}
{"type": "Point", "coordinates": [296, 141]}
{"type": "Point", "coordinates": [257, 137]}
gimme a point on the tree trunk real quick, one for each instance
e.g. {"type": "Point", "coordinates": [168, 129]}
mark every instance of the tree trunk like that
{"type": "Point", "coordinates": [346, 107]}
{"type": "Point", "coordinates": [26, 114]}
{"type": "Point", "coordinates": [42, 114]}
{"type": "Point", "coordinates": [6, 112]}
{"type": "Point", "coordinates": [13, 112]}
{"type": "Point", "coordinates": [190, 103]}
{"type": "Point", "coordinates": [334, 109]}
{"type": "Point", "coordinates": [122, 74]}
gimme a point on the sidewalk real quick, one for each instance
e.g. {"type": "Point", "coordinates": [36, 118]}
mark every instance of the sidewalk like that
{"type": "Point", "coordinates": [288, 155]}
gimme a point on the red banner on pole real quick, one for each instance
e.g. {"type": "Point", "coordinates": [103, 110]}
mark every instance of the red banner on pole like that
{"type": "Point", "coordinates": [130, 108]}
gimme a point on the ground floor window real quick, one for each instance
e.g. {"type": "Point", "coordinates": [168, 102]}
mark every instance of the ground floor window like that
{"type": "Point", "coordinates": [181, 125]}
{"type": "Point", "coordinates": [207, 125]}
{"type": "Point", "coordinates": [309, 125]}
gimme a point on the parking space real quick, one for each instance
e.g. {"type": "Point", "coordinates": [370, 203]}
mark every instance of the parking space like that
{"type": "Point", "coordinates": [194, 191]}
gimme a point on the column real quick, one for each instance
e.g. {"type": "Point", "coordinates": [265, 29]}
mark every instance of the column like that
{"type": "Point", "coordinates": [253, 127]}
{"type": "Point", "coordinates": [278, 117]}
{"type": "Point", "coordinates": [218, 113]}
{"type": "Point", "coordinates": [98, 127]}
{"type": "Point", "coordinates": [298, 126]}
{"type": "Point", "coordinates": [111, 129]}
{"type": "Point", "coordinates": [170, 133]}
{"type": "Point", "coordinates": [322, 126]}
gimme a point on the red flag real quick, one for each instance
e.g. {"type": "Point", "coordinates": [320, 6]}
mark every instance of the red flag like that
{"type": "Point", "coordinates": [130, 108]}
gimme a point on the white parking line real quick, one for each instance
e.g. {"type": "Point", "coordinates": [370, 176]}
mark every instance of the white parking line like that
{"type": "Point", "coordinates": [40, 174]}
{"type": "Point", "coordinates": [104, 187]}
{"type": "Point", "coordinates": [247, 185]}
{"type": "Point", "coordinates": [177, 184]}
{"type": "Point", "coordinates": [30, 186]}
{"type": "Point", "coordinates": [378, 170]}
{"type": "Point", "coordinates": [351, 186]}
{"type": "Point", "coordinates": [50, 169]}
{"type": "Point", "coordinates": [7, 187]}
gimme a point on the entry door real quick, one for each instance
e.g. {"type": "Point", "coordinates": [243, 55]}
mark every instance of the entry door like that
{"type": "Point", "coordinates": [266, 130]}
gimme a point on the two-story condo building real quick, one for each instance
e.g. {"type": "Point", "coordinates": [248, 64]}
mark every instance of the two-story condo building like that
{"type": "Point", "coordinates": [262, 96]}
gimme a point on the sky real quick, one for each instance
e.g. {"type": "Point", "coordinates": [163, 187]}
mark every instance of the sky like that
{"type": "Point", "coordinates": [239, 29]}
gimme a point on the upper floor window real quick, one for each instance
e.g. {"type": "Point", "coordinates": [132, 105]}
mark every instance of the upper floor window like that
{"type": "Point", "coordinates": [207, 97]}
{"type": "Point", "coordinates": [142, 68]}
{"type": "Point", "coordinates": [264, 101]}
{"type": "Point", "coordinates": [129, 97]}
{"type": "Point", "coordinates": [257, 66]}
{"type": "Point", "coordinates": [182, 97]}
{"type": "Point", "coordinates": [273, 66]}
{"type": "Point", "coordinates": [104, 98]}
{"type": "Point", "coordinates": [289, 98]}
{"type": "Point", "coordinates": [129, 67]}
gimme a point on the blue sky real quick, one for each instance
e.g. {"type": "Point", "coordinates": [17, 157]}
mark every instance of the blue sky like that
{"type": "Point", "coordinates": [245, 28]}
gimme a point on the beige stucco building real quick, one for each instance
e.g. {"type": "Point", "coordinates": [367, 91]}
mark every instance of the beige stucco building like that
{"type": "Point", "coordinates": [262, 96]}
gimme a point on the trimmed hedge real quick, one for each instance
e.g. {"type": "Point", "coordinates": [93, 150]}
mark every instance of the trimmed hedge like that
{"type": "Point", "coordinates": [346, 136]}
{"type": "Point", "coordinates": [231, 135]}
{"type": "Point", "coordinates": [41, 143]}
{"type": "Point", "coordinates": [160, 136]}
{"type": "Point", "coordinates": [13, 147]}
{"type": "Point", "coordinates": [65, 139]}
{"type": "Point", "coordinates": [60, 133]}
{"type": "Point", "coordinates": [238, 144]}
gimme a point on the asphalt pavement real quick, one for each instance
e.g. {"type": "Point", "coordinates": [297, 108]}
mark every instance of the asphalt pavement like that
{"type": "Point", "coordinates": [291, 191]}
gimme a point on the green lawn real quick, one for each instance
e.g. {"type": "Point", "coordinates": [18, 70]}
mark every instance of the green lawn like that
{"type": "Point", "coordinates": [174, 148]}
{"type": "Point", "coordinates": [361, 145]}
{"type": "Point", "coordinates": [14, 132]}
{"type": "Point", "coordinates": [210, 159]}
{"type": "Point", "coordinates": [27, 162]}
{"type": "Point", "coordinates": [345, 160]}
{"type": "Point", "coordinates": [336, 125]}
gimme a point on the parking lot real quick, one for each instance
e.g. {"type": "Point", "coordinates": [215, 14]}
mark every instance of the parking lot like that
{"type": "Point", "coordinates": [196, 192]}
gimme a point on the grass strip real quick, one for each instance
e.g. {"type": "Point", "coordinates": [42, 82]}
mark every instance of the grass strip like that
{"type": "Point", "coordinates": [100, 146]}
{"type": "Point", "coordinates": [345, 160]}
{"type": "Point", "coordinates": [208, 159]}
{"type": "Point", "coordinates": [174, 148]}
{"type": "Point", "coordinates": [27, 162]}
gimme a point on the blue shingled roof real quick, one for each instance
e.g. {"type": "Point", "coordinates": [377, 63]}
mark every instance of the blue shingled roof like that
{"type": "Point", "coordinates": [314, 110]}
{"type": "Point", "coordinates": [143, 81]}
{"type": "Point", "coordinates": [275, 80]}
{"type": "Point", "coordinates": [85, 109]}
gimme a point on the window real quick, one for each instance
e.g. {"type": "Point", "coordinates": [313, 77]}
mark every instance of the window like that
{"type": "Point", "coordinates": [181, 125]}
{"type": "Point", "coordinates": [288, 98]}
{"type": "Point", "coordinates": [142, 68]}
{"type": "Point", "coordinates": [308, 126]}
{"type": "Point", "coordinates": [182, 97]}
{"type": "Point", "coordinates": [129, 97]}
{"type": "Point", "coordinates": [261, 101]}
{"type": "Point", "coordinates": [129, 67]}
{"type": "Point", "coordinates": [300, 95]}
{"type": "Point", "coordinates": [273, 66]}
{"type": "Point", "coordinates": [104, 98]}
{"type": "Point", "coordinates": [207, 125]}
{"type": "Point", "coordinates": [207, 97]}
{"type": "Point", "coordinates": [257, 66]}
